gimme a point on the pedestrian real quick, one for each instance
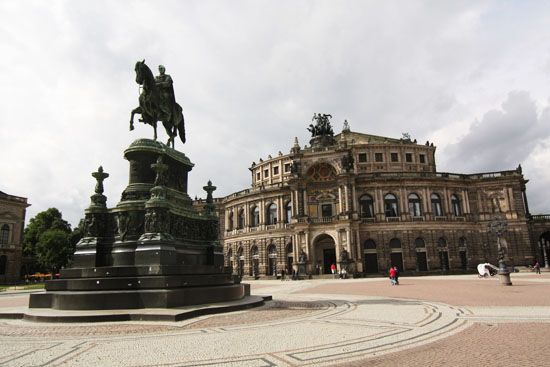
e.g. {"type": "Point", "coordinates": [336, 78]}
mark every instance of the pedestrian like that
{"type": "Point", "coordinates": [396, 275]}
{"type": "Point", "coordinates": [536, 267]}
{"type": "Point", "coordinates": [282, 274]}
{"type": "Point", "coordinates": [392, 275]}
{"type": "Point", "coordinates": [333, 270]}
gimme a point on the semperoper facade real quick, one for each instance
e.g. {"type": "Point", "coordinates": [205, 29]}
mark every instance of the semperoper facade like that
{"type": "Point", "coordinates": [366, 202]}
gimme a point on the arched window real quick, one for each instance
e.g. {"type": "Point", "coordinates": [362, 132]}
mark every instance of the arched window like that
{"type": "Point", "coordinates": [414, 206]}
{"type": "Point", "coordinates": [366, 206]}
{"type": "Point", "coordinates": [462, 242]}
{"type": "Point", "coordinates": [395, 243]}
{"type": "Point", "coordinates": [370, 245]}
{"type": "Point", "coordinates": [3, 264]}
{"type": "Point", "coordinates": [436, 205]}
{"type": "Point", "coordinates": [441, 242]}
{"type": "Point", "coordinates": [288, 212]}
{"type": "Point", "coordinates": [230, 222]}
{"type": "Point", "coordinates": [255, 216]}
{"type": "Point", "coordinates": [390, 205]}
{"type": "Point", "coordinates": [419, 243]}
{"type": "Point", "coordinates": [272, 259]}
{"type": "Point", "coordinates": [455, 206]}
{"type": "Point", "coordinates": [4, 234]}
{"type": "Point", "coordinates": [240, 221]}
{"type": "Point", "coordinates": [272, 214]}
{"type": "Point", "coordinates": [230, 258]}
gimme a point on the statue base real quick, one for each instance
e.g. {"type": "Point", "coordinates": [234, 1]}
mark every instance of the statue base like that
{"type": "Point", "coordinates": [153, 250]}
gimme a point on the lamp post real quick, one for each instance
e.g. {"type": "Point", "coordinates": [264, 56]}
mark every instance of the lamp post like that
{"type": "Point", "coordinates": [543, 244]}
{"type": "Point", "coordinates": [498, 226]}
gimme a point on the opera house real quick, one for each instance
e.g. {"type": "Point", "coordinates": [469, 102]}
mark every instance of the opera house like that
{"type": "Point", "coordinates": [364, 202]}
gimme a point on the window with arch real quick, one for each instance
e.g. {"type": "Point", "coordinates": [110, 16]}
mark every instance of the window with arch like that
{"type": "Point", "coordinates": [366, 206]}
{"type": "Point", "coordinates": [230, 222]}
{"type": "Point", "coordinates": [230, 257]}
{"type": "Point", "coordinates": [370, 244]}
{"type": "Point", "coordinates": [395, 243]}
{"type": "Point", "coordinates": [4, 234]}
{"type": "Point", "coordinates": [415, 209]}
{"type": "Point", "coordinates": [272, 259]}
{"type": "Point", "coordinates": [240, 219]}
{"type": "Point", "coordinates": [455, 206]}
{"type": "Point", "coordinates": [462, 242]}
{"type": "Point", "coordinates": [288, 212]}
{"type": "Point", "coordinates": [254, 216]}
{"type": "Point", "coordinates": [419, 243]}
{"type": "Point", "coordinates": [437, 210]}
{"type": "Point", "coordinates": [3, 264]}
{"type": "Point", "coordinates": [390, 205]}
{"type": "Point", "coordinates": [272, 214]}
{"type": "Point", "coordinates": [441, 242]}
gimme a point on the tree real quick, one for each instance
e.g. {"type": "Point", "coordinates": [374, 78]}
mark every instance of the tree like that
{"type": "Point", "coordinates": [53, 249]}
{"type": "Point", "coordinates": [43, 221]}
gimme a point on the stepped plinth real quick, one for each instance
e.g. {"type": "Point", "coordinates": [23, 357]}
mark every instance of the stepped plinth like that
{"type": "Point", "coordinates": [153, 250]}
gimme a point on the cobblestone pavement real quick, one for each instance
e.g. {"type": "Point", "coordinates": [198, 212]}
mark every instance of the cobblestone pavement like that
{"type": "Point", "coordinates": [426, 321]}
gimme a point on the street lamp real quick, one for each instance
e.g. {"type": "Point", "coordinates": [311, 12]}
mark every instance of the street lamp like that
{"type": "Point", "coordinates": [498, 227]}
{"type": "Point", "coordinates": [543, 244]}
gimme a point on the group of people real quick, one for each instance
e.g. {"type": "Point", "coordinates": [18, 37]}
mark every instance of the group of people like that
{"type": "Point", "coordinates": [394, 275]}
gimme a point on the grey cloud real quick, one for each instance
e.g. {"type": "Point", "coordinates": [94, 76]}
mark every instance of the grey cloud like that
{"type": "Point", "coordinates": [249, 76]}
{"type": "Point", "coordinates": [502, 139]}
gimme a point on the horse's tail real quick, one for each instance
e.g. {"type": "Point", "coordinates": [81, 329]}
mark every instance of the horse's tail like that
{"type": "Point", "coordinates": [181, 129]}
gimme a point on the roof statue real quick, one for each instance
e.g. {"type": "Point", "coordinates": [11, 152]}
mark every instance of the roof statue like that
{"type": "Point", "coordinates": [322, 134]}
{"type": "Point", "coordinates": [157, 102]}
{"type": "Point", "coordinates": [322, 126]}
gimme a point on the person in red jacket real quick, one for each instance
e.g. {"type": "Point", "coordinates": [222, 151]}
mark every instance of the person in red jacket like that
{"type": "Point", "coordinates": [333, 270]}
{"type": "Point", "coordinates": [392, 275]}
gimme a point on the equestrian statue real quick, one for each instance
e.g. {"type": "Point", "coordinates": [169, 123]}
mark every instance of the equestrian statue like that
{"type": "Point", "coordinates": [157, 102]}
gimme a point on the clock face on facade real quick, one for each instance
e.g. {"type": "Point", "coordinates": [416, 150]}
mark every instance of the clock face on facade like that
{"type": "Point", "coordinates": [322, 172]}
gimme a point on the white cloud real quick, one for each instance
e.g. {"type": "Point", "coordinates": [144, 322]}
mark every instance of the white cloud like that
{"type": "Point", "coordinates": [249, 76]}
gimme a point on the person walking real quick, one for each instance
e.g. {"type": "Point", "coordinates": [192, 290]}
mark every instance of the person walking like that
{"type": "Point", "coordinates": [333, 270]}
{"type": "Point", "coordinates": [536, 267]}
{"type": "Point", "coordinates": [392, 275]}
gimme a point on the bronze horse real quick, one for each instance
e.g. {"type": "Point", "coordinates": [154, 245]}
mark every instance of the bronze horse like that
{"type": "Point", "coordinates": [149, 108]}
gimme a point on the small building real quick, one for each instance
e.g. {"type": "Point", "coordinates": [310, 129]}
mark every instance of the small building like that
{"type": "Point", "coordinates": [364, 202]}
{"type": "Point", "coordinates": [12, 223]}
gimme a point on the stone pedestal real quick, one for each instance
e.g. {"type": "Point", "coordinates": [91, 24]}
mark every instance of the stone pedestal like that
{"type": "Point", "coordinates": [152, 250]}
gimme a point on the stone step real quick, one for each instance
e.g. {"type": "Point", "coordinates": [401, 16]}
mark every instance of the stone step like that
{"type": "Point", "coordinates": [137, 282]}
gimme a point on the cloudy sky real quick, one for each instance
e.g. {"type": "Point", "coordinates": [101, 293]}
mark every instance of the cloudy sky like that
{"type": "Point", "coordinates": [471, 76]}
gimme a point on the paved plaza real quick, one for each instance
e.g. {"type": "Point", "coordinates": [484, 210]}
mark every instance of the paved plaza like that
{"type": "Point", "coordinates": [425, 321]}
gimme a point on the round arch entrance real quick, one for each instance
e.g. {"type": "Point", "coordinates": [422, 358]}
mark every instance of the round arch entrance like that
{"type": "Point", "coordinates": [325, 252]}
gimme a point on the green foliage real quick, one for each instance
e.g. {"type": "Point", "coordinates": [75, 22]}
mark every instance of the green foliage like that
{"type": "Point", "coordinates": [43, 221]}
{"type": "Point", "coordinates": [77, 233]}
{"type": "Point", "coordinates": [34, 286]}
{"type": "Point", "coordinates": [53, 249]}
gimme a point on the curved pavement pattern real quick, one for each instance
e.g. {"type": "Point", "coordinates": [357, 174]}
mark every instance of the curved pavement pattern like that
{"type": "Point", "coordinates": [298, 328]}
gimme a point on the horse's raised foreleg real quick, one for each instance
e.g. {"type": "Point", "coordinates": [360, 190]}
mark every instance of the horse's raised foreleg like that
{"type": "Point", "coordinates": [134, 111]}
